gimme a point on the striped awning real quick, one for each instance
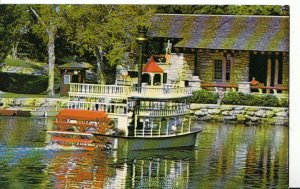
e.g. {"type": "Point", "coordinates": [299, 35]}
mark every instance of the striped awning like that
{"type": "Point", "coordinates": [236, 32]}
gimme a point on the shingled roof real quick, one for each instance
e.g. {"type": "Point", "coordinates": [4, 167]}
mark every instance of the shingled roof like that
{"type": "Point", "coordinates": [75, 65]}
{"type": "Point", "coordinates": [259, 33]}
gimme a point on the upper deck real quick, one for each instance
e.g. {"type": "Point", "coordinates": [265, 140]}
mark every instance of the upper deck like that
{"type": "Point", "coordinates": [165, 91]}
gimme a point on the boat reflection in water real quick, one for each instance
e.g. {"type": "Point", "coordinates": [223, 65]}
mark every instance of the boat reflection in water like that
{"type": "Point", "coordinates": [145, 169]}
{"type": "Point", "coordinates": [152, 168]}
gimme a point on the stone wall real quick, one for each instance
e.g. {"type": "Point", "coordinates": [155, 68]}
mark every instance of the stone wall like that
{"type": "Point", "coordinates": [241, 66]}
{"type": "Point", "coordinates": [190, 64]}
{"type": "Point", "coordinates": [206, 65]}
{"type": "Point", "coordinates": [250, 115]}
{"type": "Point", "coordinates": [37, 106]}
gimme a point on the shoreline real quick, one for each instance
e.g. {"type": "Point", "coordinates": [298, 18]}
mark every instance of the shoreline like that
{"type": "Point", "coordinates": [249, 115]}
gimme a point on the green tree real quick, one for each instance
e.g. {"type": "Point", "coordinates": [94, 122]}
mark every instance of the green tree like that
{"type": "Point", "coordinates": [108, 31]}
{"type": "Point", "coordinates": [50, 18]}
{"type": "Point", "coordinates": [7, 23]}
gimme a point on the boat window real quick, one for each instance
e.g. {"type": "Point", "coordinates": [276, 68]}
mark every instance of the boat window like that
{"type": "Point", "coordinates": [165, 77]}
{"type": "Point", "coordinates": [146, 78]}
{"type": "Point", "coordinates": [157, 79]}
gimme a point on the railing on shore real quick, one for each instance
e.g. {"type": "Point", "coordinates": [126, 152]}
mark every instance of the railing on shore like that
{"type": "Point", "coordinates": [234, 87]}
{"type": "Point", "coordinates": [110, 108]}
{"type": "Point", "coordinates": [275, 89]}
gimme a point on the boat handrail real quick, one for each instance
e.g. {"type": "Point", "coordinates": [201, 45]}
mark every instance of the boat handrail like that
{"type": "Point", "coordinates": [111, 108]}
{"type": "Point", "coordinates": [152, 91]}
{"type": "Point", "coordinates": [161, 112]}
{"type": "Point", "coordinates": [99, 89]}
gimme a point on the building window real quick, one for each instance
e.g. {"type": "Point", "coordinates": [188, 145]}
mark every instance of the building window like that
{"type": "Point", "coordinates": [67, 79]}
{"type": "Point", "coordinates": [222, 70]}
{"type": "Point", "coordinates": [218, 70]}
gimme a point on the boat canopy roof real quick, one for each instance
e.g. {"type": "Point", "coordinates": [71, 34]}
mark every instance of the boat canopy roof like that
{"type": "Point", "coordinates": [152, 67]}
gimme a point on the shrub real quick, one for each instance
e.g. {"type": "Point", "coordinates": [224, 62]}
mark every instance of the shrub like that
{"type": "Point", "coordinates": [268, 100]}
{"type": "Point", "coordinates": [204, 97]}
{"type": "Point", "coordinates": [284, 102]}
{"type": "Point", "coordinates": [235, 98]}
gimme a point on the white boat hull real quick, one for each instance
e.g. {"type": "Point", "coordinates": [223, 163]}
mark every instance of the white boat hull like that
{"type": "Point", "coordinates": [147, 142]}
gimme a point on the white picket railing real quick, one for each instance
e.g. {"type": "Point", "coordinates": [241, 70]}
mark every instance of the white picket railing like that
{"type": "Point", "coordinates": [167, 91]}
{"type": "Point", "coordinates": [110, 108]}
{"type": "Point", "coordinates": [99, 89]}
{"type": "Point", "coordinates": [163, 111]}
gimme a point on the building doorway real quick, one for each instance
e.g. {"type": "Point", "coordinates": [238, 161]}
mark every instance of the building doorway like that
{"type": "Point", "coordinates": [259, 68]}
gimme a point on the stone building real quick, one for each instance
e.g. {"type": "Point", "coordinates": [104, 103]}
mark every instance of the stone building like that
{"type": "Point", "coordinates": [224, 50]}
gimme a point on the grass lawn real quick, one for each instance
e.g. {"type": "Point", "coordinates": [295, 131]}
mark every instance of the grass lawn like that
{"type": "Point", "coordinates": [25, 63]}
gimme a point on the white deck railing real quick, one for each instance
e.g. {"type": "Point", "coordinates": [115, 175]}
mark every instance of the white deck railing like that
{"type": "Point", "coordinates": [146, 111]}
{"type": "Point", "coordinates": [110, 108]}
{"type": "Point", "coordinates": [167, 91]}
{"type": "Point", "coordinates": [95, 89]}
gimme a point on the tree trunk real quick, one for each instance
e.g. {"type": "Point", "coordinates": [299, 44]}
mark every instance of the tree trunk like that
{"type": "Point", "coordinates": [51, 56]}
{"type": "Point", "coordinates": [15, 51]}
{"type": "Point", "coordinates": [100, 73]}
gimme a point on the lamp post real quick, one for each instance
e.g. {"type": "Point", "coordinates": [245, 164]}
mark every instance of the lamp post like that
{"type": "Point", "coordinates": [141, 39]}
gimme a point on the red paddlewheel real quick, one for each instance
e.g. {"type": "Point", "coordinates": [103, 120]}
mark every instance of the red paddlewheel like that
{"type": "Point", "coordinates": [81, 121]}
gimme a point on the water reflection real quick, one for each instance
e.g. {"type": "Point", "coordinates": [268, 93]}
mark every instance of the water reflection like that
{"type": "Point", "coordinates": [78, 169]}
{"type": "Point", "coordinates": [153, 168]}
{"type": "Point", "coordinates": [227, 156]}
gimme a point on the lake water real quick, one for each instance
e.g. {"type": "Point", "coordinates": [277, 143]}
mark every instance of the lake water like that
{"type": "Point", "coordinates": [226, 156]}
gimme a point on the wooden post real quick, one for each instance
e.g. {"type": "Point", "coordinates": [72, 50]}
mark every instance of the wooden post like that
{"type": "Point", "coordinates": [276, 71]}
{"type": "Point", "coordinates": [269, 73]}
{"type": "Point", "coordinates": [232, 69]}
{"type": "Point", "coordinates": [196, 70]}
{"type": "Point", "coordinates": [224, 69]}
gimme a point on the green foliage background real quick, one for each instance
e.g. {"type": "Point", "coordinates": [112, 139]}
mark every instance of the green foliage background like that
{"type": "Point", "coordinates": [23, 83]}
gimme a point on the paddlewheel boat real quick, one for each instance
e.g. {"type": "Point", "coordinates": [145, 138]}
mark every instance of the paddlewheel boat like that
{"type": "Point", "coordinates": [153, 116]}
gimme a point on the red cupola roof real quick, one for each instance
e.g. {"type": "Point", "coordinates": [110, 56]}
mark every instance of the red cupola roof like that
{"type": "Point", "coordinates": [151, 66]}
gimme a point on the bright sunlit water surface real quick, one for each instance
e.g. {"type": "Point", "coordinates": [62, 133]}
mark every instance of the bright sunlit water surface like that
{"type": "Point", "coordinates": [225, 156]}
